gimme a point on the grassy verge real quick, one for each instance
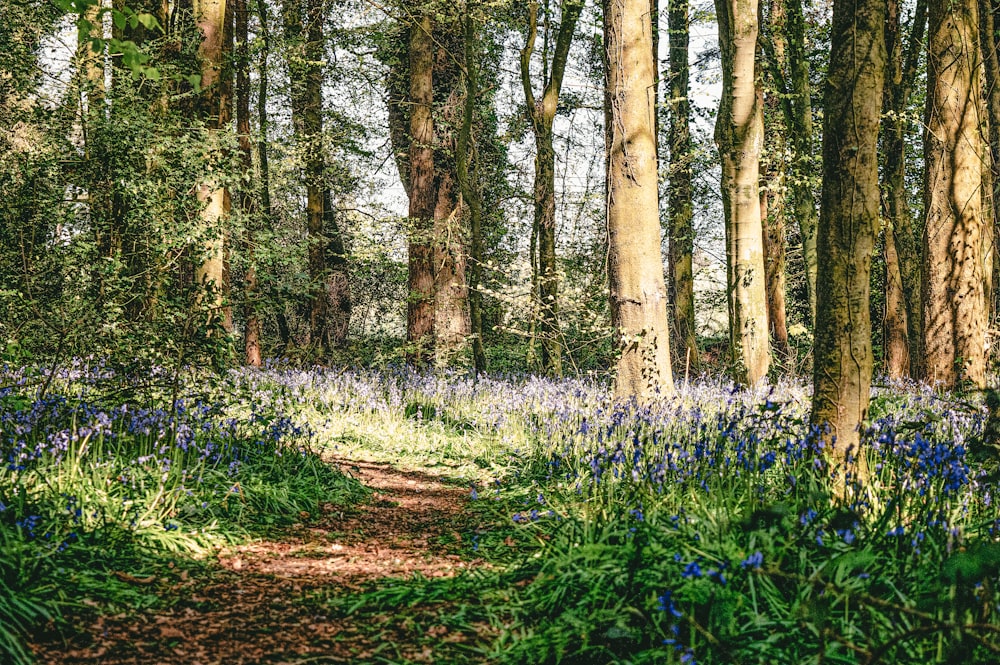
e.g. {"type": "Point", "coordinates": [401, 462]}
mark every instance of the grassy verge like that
{"type": "Point", "coordinates": [698, 529]}
{"type": "Point", "coordinates": [99, 493]}
{"type": "Point", "coordinates": [702, 528]}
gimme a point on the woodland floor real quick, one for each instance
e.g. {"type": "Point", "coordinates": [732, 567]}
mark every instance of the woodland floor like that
{"type": "Point", "coordinates": [274, 600]}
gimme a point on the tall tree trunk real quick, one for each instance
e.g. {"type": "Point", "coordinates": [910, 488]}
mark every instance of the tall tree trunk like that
{"type": "Point", "coordinates": [988, 12]}
{"type": "Point", "coordinates": [210, 271]}
{"type": "Point", "coordinates": [894, 325]}
{"type": "Point", "coordinates": [470, 185]}
{"type": "Point", "coordinates": [329, 297]}
{"type": "Point", "coordinates": [451, 298]}
{"type": "Point", "coordinates": [450, 242]}
{"type": "Point", "coordinates": [800, 135]}
{"type": "Point", "coordinates": [739, 134]}
{"type": "Point", "coordinates": [262, 151]}
{"type": "Point", "coordinates": [848, 224]}
{"type": "Point", "coordinates": [635, 269]}
{"type": "Point", "coordinates": [248, 206]}
{"type": "Point", "coordinates": [772, 193]}
{"type": "Point", "coordinates": [680, 209]}
{"type": "Point", "coordinates": [541, 113]}
{"type": "Point", "coordinates": [772, 214]}
{"type": "Point", "coordinates": [902, 326]}
{"type": "Point", "coordinates": [952, 289]}
{"type": "Point", "coordinates": [423, 195]}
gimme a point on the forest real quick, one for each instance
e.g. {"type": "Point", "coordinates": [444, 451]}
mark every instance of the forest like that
{"type": "Point", "coordinates": [499, 331]}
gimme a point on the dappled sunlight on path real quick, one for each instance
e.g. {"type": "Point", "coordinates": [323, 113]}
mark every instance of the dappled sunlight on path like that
{"type": "Point", "coordinates": [266, 601]}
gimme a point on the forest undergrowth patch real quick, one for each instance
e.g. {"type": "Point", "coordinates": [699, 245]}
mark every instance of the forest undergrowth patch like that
{"type": "Point", "coordinates": [514, 520]}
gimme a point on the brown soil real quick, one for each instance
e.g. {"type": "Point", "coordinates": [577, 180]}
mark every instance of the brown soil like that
{"type": "Point", "coordinates": [266, 600]}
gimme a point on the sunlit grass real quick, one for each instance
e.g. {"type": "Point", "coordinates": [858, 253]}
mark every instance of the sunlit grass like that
{"type": "Point", "coordinates": [702, 527]}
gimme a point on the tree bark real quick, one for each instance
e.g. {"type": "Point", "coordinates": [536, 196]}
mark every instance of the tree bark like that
{"type": "Point", "coordinates": [248, 205]}
{"type": "Point", "coordinates": [262, 150]}
{"type": "Point", "coordinates": [800, 135]}
{"type": "Point", "coordinates": [541, 113]}
{"type": "Point", "coordinates": [451, 295]}
{"type": "Point", "coordinates": [772, 193]}
{"type": "Point", "coordinates": [329, 293]}
{"type": "Point", "coordinates": [469, 182]}
{"type": "Point", "coordinates": [848, 224]}
{"type": "Point", "coordinates": [680, 207]}
{"type": "Point", "coordinates": [451, 298]}
{"type": "Point", "coordinates": [901, 326]}
{"type": "Point", "coordinates": [952, 288]}
{"type": "Point", "coordinates": [423, 195]}
{"type": "Point", "coordinates": [635, 270]}
{"type": "Point", "coordinates": [988, 11]}
{"type": "Point", "coordinates": [210, 272]}
{"type": "Point", "coordinates": [739, 135]}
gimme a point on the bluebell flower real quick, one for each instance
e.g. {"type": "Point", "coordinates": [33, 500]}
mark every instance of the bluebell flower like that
{"type": "Point", "coordinates": [691, 570]}
{"type": "Point", "coordinates": [755, 560]}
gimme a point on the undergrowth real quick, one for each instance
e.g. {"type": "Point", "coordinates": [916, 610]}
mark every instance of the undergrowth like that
{"type": "Point", "coordinates": [701, 528]}
{"type": "Point", "coordinates": [94, 485]}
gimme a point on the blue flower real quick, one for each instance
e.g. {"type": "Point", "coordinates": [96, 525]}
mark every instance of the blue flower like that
{"type": "Point", "coordinates": [755, 560]}
{"type": "Point", "coordinates": [691, 570]}
{"type": "Point", "coordinates": [666, 604]}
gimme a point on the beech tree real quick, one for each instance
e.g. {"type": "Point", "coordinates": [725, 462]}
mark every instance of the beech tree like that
{"type": "Point", "coordinates": [421, 190]}
{"type": "Point", "coordinates": [329, 296]}
{"type": "Point", "coordinates": [252, 335]}
{"type": "Point", "coordinates": [680, 209]}
{"type": "Point", "coordinates": [739, 134]}
{"type": "Point", "coordinates": [902, 261]}
{"type": "Point", "coordinates": [635, 271]}
{"type": "Point", "coordinates": [989, 10]}
{"type": "Point", "coordinates": [773, 177]}
{"type": "Point", "coordinates": [450, 233]}
{"type": "Point", "coordinates": [848, 223]}
{"type": "Point", "coordinates": [216, 111]}
{"type": "Point", "coordinates": [542, 113]}
{"type": "Point", "coordinates": [953, 277]}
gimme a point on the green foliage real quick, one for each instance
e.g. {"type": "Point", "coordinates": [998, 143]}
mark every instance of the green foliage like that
{"type": "Point", "coordinates": [105, 473]}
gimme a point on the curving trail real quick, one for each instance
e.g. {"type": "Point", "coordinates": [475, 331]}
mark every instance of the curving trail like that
{"type": "Point", "coordinates": [266, 602]}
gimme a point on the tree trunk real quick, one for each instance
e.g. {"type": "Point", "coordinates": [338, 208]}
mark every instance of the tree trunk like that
{"type": "Point", "coordinates": [635, 269]}
{"type": "Point", "coordinates": [252, 332]}
{"type": "Point", "coordinates": [541, 113]}
{"type": "Point", "coordinates": [451, 298]}
{"type": "Point", "coordinates": [988, 11]}
{"type": "Point", "coordinates": [952, 289]}
{"type": "Point", "coordinates": [423, 196]}
{"type": "Point", "coordinates": [772, 213]}
{"type": "Point", "coordinates": [849, 218]}
{"type": "Point", "coordinates": [772, 193]}
{"type": "Point", "coordinates": [451, 294]}
{"type": "Point", "coordinates": [329, 294]}
{"type": "Point", "coordinates": [262, 151]}
{"type": "Point", "coordinates": [739, 134]}
{"type": "Point", "coordinates": [680, 208]}
{"type": "Point", "coordinates": [894, 325]}
{"type": "Point", "coordinates": [210, 272]}
{"type": "Point", "coordinates": [470, 185]}
{"type": "Point", "coordinates": [902, 259]}
{"type": "Point", "coordinates": [800, 136]}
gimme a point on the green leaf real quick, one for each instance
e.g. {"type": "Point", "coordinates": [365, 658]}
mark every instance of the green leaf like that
{"type": "Point", "coordinates": [118, 18]}
{"type": "Point", "coordinates": [149, 21]}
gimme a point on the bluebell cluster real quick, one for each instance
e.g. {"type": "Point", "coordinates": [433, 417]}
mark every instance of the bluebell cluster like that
{"type": "Point", "coordinates": [73, 425]}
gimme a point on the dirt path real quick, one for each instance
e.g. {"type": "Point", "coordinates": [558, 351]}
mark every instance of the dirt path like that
{"type": "Point", "coordinates": [266, 603]}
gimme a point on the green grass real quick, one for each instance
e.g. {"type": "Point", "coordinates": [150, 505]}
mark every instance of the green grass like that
{"type": "Point", "coordinates": [704, 528]}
